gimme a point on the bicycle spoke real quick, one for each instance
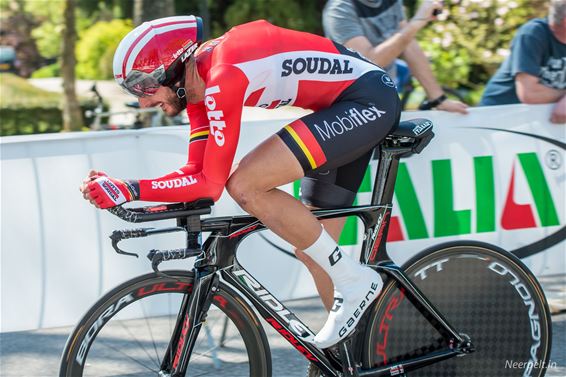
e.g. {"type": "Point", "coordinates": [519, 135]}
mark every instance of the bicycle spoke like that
{"type": "Point", "coordinates": [121, 323]}
{"type": "Point", "coordinates": [129, 357]}
{"type": "Point", "coordinates": [205, 353]}
{"type": "Point", "coordinates": [150, 333]}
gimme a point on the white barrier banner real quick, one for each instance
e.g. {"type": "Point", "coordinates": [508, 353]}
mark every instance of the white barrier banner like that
{"type": "Point", "coordinates": [496, 175]}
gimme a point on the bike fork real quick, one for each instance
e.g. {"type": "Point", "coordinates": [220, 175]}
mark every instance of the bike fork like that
{"type": "Point", "coordinates": [189, 321]}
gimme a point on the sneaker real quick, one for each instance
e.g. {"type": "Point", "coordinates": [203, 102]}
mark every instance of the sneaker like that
{"type": "Point", "coordinates": [350, 302]}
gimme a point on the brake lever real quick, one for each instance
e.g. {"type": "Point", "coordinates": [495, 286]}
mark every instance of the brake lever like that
{"type": "Point", "coordinates": [119, 235]}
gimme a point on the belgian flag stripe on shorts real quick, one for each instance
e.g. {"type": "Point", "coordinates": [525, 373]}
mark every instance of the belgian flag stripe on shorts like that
{"type": "Point", "coordinates": [307, 143]}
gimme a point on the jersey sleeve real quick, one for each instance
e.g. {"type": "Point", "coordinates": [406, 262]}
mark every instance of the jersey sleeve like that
{"type": "Point", "coordinates": [199, 135]}
{"type": "Point", "coordinates": [197, 142]}
{"type": "Point", "coordinates": [222, 107]}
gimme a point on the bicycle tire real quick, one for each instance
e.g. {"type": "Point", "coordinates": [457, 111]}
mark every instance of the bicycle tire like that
{"type": "Point", "coordinates": [97, 345]}
{"type": "Point", "coordinates": [484, 292]}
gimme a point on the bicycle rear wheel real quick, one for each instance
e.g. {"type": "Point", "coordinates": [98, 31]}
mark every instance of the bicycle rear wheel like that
{"type": "Point", "coordinates": [127, 333]}
{"type": "Point", "coordinates": [485, 293]}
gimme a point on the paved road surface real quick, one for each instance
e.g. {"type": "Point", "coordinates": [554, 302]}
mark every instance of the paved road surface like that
{"type": "Point", "coordinates": [36, 353]}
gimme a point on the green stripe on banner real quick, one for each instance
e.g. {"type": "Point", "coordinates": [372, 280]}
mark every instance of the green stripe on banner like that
{"type": "Point", "coordinates": [539, 188]}
{"type": "Point", "coordinates": [485, 194]}
{"type": "Point", "coordinates": [409, 204]}
{"type": "Point", "coordinates": [447, 221]}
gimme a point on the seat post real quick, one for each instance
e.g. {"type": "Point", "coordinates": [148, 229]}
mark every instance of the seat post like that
{"type": "Point", "coordinates": [384, 184]}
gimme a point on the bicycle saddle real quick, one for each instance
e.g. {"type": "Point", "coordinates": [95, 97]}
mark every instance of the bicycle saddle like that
{"type": "Point", "coordinates": [420, 130]}
{"type": "Point", "coordinates": [416, 128]}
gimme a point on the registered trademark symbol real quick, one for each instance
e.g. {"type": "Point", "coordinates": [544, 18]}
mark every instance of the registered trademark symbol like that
{"type": "Point", "coordinates": [553, 159]}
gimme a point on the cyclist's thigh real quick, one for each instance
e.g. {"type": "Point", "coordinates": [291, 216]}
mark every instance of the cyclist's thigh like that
{"type": "Point", "coordinates": [334, 188]}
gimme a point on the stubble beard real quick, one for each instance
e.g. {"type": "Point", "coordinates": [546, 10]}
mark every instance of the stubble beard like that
{"type": "Point", "coordinates": [176, 106]}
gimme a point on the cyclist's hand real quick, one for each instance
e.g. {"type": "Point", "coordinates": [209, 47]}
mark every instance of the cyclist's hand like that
{"type": "Point", "coordinates": [105, 192]}
{"type": "Point", "coordinates": [426, 11]}
{"type": "Point", "coordinates": [559, 112]}
{"type": "Point", "coordinates": [453, 106]}
{"type": "Point", "coordinates": [92, 175]}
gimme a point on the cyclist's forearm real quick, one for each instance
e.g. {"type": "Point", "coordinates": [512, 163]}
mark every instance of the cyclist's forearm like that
{"type": "Point", "coordinates": [189, 168]}
{"type": "Point", "coordinates": [421, 70]}
{"type": "Point", "coordinates": [182, 188]}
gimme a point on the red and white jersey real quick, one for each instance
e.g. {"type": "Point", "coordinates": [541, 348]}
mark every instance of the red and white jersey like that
{"type": "Point", "coordinates": [255, 64]}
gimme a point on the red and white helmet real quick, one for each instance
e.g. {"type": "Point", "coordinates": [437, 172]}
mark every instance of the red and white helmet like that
{"type": "Point", "coordinates": [153, 53]}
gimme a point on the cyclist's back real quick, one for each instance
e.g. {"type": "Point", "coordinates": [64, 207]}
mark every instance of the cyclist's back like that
{"type": "Point", "coordinates": [286, 67]}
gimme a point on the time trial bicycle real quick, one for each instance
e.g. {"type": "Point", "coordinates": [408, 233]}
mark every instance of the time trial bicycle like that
{"type": "Point", "coordinates": [456, 309]}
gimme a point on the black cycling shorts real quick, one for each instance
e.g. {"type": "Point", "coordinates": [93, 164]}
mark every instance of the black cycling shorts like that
{"type": "Point", "coordinates": [334, 145]}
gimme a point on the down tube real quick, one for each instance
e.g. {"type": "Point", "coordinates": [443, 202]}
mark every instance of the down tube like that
{"type": "Point", "coordinates": [278, 316]}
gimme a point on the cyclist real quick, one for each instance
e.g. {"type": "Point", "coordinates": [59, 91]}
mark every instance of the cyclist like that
{"type": "Point", "coordinates": [355, 106]}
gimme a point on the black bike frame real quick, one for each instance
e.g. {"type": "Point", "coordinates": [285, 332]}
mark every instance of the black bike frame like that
{"type": "Point", "coordinates": [218, 265]}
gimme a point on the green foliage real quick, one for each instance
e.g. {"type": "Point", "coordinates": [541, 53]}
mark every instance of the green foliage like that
{"type": "Point", "coordinates": [52, 70]}
{"type": "Point", "coordinates": [291, 14]}
{"type": "Point", "coordinates": [49, 14]}
{"type": "Point", "coordinates": [48, 34]}
{"type": "Point", "coordinates": [469, 42]}
{"type": "Point", "coordinates": [31, 120]}
{"type": "Point", "coordinates": [96, 47]}
{"type": "Point", "coordinates": [25, 109]}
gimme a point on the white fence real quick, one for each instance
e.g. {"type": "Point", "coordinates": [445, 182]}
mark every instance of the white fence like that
{"type": "Point", "coordinates": [496, 175]}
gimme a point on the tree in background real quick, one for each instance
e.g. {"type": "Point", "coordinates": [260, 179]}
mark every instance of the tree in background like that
{"type": "Point", "coordinates": [72, 117]}
{"type": "Point", "coordinates": [292, 14]}
{"type": "Point", "coordinates": [146, 10]}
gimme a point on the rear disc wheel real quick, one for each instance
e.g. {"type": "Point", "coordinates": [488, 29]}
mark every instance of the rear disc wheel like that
{"type": "Point", "coordinates": [483, 292]}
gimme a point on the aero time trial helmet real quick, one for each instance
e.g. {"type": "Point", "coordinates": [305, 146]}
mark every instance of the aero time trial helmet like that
{"type": "Point", "coordinates": [153, 53]}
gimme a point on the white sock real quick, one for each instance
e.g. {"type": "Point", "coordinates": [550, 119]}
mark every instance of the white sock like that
{"type": "Point", "coordinates": [328, 255]}
{"type": "Point", "coordinates": [355, 287]}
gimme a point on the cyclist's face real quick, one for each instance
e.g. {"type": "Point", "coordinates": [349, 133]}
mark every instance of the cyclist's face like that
{"type": "Point", "coordinates": [164, 98]}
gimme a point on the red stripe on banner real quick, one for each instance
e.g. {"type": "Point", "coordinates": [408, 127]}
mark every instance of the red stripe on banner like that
{"type": "Point", "coordinates": [308, 138]}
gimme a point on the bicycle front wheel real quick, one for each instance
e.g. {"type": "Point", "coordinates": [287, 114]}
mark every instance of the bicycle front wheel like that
{"type": "Point", "coordinates": [128, 331]}
{"type": "Point", "coordinates": [484, 293]}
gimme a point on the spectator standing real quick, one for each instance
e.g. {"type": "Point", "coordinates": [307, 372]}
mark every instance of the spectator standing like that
{"type": "Point", "coordinates": [378, 30]}
{"type": "Point", "coordinates": [535, 71]}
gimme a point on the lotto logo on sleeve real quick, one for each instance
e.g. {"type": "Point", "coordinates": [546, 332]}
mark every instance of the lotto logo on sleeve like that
{"type": "Point", "coordinates": [215, 116]}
